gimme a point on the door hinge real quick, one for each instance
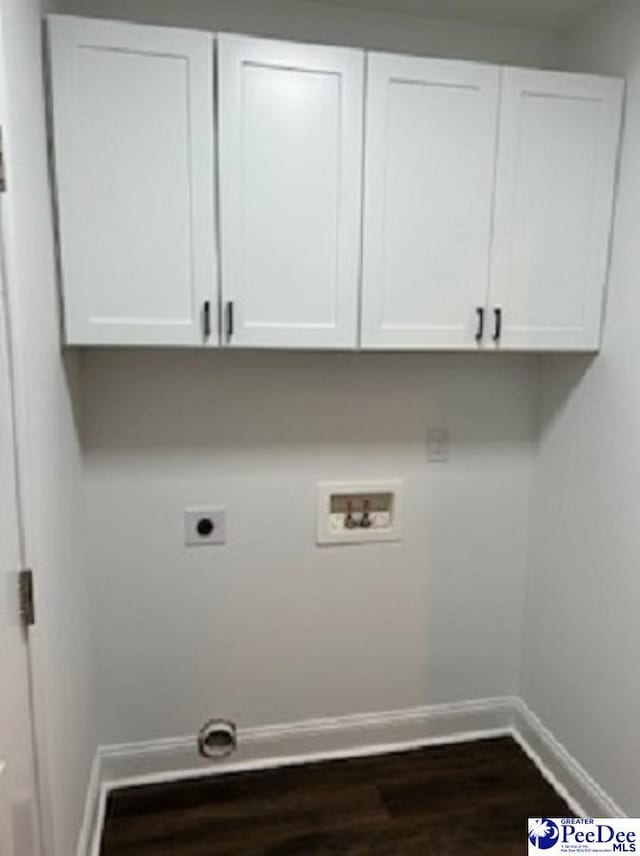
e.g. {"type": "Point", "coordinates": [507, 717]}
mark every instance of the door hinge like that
{"type": "Point", "coordinates": [27, 600]}
{"type": "Point", "coordinates": [3, 165]}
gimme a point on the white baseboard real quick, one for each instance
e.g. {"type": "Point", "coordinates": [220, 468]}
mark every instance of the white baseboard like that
{"type": "Point", "coordinates": [569, 778]}
{"type": "Point", "coordinates": [317, 740]}
{"type": "Point", "coordinates": [310, 740]}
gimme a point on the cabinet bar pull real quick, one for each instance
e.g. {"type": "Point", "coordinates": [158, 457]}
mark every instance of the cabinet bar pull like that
{"type": "Point", "coordinates": [497, 332]}
{"type": "Point", "coordinates": [480, 329]}
{"type": "Point", "coordinates": [229, 319]}
{"type": "Point", "coordinates": [206, 318]}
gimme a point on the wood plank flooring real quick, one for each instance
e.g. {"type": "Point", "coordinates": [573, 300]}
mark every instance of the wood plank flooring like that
{"type": "Point", "coordinates": [470, 798]}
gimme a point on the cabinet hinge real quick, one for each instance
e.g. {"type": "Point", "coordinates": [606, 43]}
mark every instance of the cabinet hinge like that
{"type": "Point", "coordinates": [27, 600]}
{"type": "Point", "coordinates": [3, 165]}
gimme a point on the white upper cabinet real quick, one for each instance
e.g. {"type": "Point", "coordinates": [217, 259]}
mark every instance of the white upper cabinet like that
{"type": "Point", "coordinates": [134, 148]}
{"type": "Point", "coordinates": [555, 183]}
{"type": "Point", "coordinates": [290, 127]}
{"type": "Point", "coordinates": [470, 209]}
{"type": "Point", "coordinates": [429, 182]}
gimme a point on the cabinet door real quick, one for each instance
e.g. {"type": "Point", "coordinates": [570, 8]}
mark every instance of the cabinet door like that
{"type": "Point", "coordinates": [134, 150]}
{"type": "Point", "coordinates": [555, 181]}
{"type": "Point", "coordinates": [430, 157]}
{"type": "Point", "coordinates": [290, 189]}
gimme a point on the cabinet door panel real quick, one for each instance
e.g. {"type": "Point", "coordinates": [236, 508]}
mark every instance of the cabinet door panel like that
{"type": "Point", "coordinates": [290, 176]}
{"type": "Point", "coordinates": [556, 168]}
{"type": "Point", "coordinates": [133, 119]}
{"type": "Point", "coordinates": [430, 157]}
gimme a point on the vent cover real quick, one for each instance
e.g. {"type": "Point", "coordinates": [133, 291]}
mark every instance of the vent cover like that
{"type": "Point", "coordinates": [217, 738]}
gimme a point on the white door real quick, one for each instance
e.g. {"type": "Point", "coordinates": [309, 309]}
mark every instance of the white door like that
{"type": "Point", "coordinates": [18, 805]}
{"type": "Point", "coordinates": [134, 151]}
{"type": "Point", "coordinates": [558, 146]}
{"type": "Point", "coordinates": [290, 192]}
{"type": "Point", "coordinates": [429, 177]}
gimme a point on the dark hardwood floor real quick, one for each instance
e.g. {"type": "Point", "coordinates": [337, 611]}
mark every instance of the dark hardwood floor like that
{"type": "Point", "coordinates": [471, 798]}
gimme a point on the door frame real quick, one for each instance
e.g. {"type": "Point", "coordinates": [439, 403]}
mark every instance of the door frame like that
{"type": "Point", "coordinates": [17, 452]}
{"type": "Point", "coordinates": [17, 391]}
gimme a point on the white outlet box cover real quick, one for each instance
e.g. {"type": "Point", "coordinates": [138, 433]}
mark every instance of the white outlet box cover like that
{"type": "Point", "coordinates": [331, 532]}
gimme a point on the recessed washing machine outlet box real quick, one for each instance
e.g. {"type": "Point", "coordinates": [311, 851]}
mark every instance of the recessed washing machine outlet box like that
{"type": "Point", "coordinates": [359, 512]}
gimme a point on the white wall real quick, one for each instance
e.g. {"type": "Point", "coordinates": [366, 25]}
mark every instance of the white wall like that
{"type": "Point", "coordinates": [51, 460]}
{"type": "Point", "coordinates": [583, 634]}
{"type": "Point", "coordinates": [272, 628]}
{"type": "Point", "coordinates": [311, 20]}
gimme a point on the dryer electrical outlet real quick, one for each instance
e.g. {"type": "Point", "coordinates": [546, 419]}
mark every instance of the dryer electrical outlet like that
{"type": "Point", "coordinates": [358, 512]}
{"type": "Point", "coordinates": [205, 526]}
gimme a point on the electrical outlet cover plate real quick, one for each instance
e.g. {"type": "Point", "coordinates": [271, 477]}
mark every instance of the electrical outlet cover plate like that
{"type": "Point", "coordinates": [205, 526]}
{"type": "Point", "coordinates": [438, 445]}
{"type": "Point", "coordinates": [389, 519]}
